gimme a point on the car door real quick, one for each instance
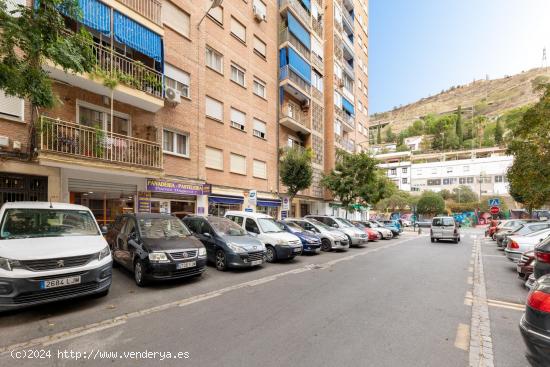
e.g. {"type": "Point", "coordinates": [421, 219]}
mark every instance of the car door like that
{"type": "Point", "coordinates": [448, 227]}
{"type": "Point", "coordinates": [129, 243]}
{"type": "Point", "coordinates": [117, 240]}
{"type": "Point", "coordinates": [251, 226]}
{"type": "Point", "coordinates": [437, 229]}
{"type": "Point", "coordinates": [208, 238]}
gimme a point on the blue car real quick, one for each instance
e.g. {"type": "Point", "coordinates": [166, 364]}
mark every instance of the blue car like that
{"type": "Point", "coordinates": [311, 242]}
{"type": "Point", "coordinates": [389, 224]}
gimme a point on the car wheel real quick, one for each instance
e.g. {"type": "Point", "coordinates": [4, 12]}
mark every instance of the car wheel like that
{"type": "Point", "coordinates": [432, 239]}
{"type": "Point", "coordinates": [325, 245]}
{"type": "Point", "coordinates": [221, 260]}
{"type": "Point", "coordinates": [139, 274]}
{"type": "Point", "coordinates": [270, 254]}
{"type": "Point", "coordinates": [349, 241]}
{"type": "Point", "coordinates": [494, 237]}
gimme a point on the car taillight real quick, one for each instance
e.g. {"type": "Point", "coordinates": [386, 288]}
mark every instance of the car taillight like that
{"type": "Point", "coordinates": [539, 301]}
{"type": "Point", "coordinates": [543, 257]}
{"type": "Point", "coordinates": [456, 231]}
{"type": "Point", "coordinates": [513, 244]}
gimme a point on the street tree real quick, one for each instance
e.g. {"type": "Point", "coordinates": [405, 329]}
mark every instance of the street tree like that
{"type": "Point", "coordinates": [464, 194]}
{"type": "Point", "coordinates": [399, 200]}
{"type": "Point", "coordinates": [430, 203]}
{"type": "Point", "coordinates": [295, 170]}
{"type": "Point", "coordinates": [378, 136]}
{"type": "Point", "coordinates": [390, 136]}
{"type": "Point", "coordinates": [499, 133]}
{"type": "Point", "coordinates": [458, 128]}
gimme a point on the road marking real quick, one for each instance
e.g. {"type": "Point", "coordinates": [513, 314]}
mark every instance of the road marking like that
{"type": "Point", "coordinates": [122, 319]}
{"type": "Point", "coordinates": [500, 305]}
{"type": "Point", "coordinates": [499, 256]}
{"type": "Point", "coordinates": [462, 338]}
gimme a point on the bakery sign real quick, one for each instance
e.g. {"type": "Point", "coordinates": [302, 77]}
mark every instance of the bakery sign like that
{"type": "Point", "coordinates": [177, 187]}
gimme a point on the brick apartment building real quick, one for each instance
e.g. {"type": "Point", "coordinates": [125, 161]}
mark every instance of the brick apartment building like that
{"type": "Point", "coordinates": [205, 100]}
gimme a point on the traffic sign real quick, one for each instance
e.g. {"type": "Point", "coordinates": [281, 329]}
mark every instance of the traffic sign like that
{"type": "Point", "coordinates": [495, 210]}
{"type": "Point", "coordinates": [494, 202]}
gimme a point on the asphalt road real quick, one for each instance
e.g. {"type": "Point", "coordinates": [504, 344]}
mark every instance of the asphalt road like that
{"type": "Point", "coordinates": [402, 302]}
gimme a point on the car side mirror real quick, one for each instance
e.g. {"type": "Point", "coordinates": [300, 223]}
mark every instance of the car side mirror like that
{"type": "Point", "coordinates": [207, 234]}
{"type": "Point", "coordinates": [104, 230]}
{"type": "Point", "coordinates": [133, 236]}
{"type": "Point", "coordinates": [335, 225]}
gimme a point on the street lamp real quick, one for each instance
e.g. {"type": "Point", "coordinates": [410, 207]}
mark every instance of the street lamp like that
{"type": "Point", "coordinates": [215, 4]}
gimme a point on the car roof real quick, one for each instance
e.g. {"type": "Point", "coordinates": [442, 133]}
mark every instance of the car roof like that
{"type": "Point", "coordinates": [247, 214]}
{"type": "Point", "coordinates": [148, 215]}
{"type": "Point", "coordinates": [42, 205]}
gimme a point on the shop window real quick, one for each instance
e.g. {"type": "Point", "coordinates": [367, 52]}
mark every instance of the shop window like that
{"type": "Point", "coordinates": [269, 210]}
{"type": "Point", "coordinates": [219, 210]}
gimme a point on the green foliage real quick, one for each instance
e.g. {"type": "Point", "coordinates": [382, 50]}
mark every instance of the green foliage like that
{"type": "Point", "coordinates": [400, 200]}
{"type": "Point", "coordinates": [30, 37]}
{"type": "Point", "coordinates": [295, 170]}
{"type": "Point", "coordinates": [499, 133]}
{"type": "Point", "coordinates": [469, 206]}
{"type": "Point", "coordinates": [464, 194]}
{"type": "Point", "coordinates": [484, 203]}
{"type": "Point", "coordinates": [430, 203]}
{"type": "Point", "coordinates": [458, 126]}
{"type": "Point", "coordinates": [378, 136]}
{"type": "Point", "coordinates": [389, 135]}
{"type": "Point", "coordinates": [446, 194]}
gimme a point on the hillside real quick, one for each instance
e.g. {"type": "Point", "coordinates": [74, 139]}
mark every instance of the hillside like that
{"type": "Point", "coordinates": [488, 97]}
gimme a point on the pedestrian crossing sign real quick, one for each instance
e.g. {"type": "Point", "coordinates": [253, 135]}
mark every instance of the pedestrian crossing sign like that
{"type": "Point", "coordinates": [494, 202]}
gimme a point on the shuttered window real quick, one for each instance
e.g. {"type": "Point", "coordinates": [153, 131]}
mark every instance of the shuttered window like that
{"type": "Point", "coordinates": [259, 169]}
{"type": "Point", "coordinates": [214, 109]}
{"type": "Point", "coordinates": [238, 119]}
{"type": "Point", "coordinates": [316, 47]}
{"type": "Point", "coordinates": [216, 14]}
{"type": "Point", "coordinates": [238, 164]}
{"type": "Point", "coordinates": [177, 79]}
{"type": "Point", "coordinates": [259, 129]}
{"type": "Point", "coordinates": [11, 107]}
{"type": "Point", "coordinates": [175, 18]}
{"type": "Point", "coordinates": [214, 158]}
{"type": "Point", "coordinates": [238, 30]}
{"type": "Point", "coordinates": [259, 46]}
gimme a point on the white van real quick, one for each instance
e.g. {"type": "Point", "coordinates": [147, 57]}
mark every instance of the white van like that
{"type": "Point", "coordinates": [279, 243]}
{"type": "Point", "coordinates": [50, 252]}
{"type": "Point", "coordinates": [444, 228]}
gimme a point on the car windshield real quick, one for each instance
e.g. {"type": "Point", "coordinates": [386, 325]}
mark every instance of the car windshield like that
{"type": "Point", "coordinates": [343, 223]}
{"type": "Point", "coordinates": [226, 227]}
{"type": "Point", "coordinates": [319, 224]}
{"type": "Point", "coordinates": [537, 233]}
{"type": "Point", "coordinates": [443, 222]}
{"type": "Point", "coordinates": [294, 227]}
{"type": "Point", "coordinates": [359, 225]}
{"type": "Point", "coordinates": [32, 223]}
{"type": "Point", "coordinates": [162, 227]}
{"type": "Point", "coordinates": [269, 225]}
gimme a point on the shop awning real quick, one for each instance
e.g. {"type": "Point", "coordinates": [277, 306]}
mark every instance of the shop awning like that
{"type": "Point", "coordinates": [269, 202]}
{"type": "Point", "coordinates": [137, 36]}
{"type": "Point", "coordinates": [222, 199]}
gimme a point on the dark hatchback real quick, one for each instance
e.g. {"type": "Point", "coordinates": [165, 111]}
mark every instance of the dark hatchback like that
{"type": "Point", "coordinates": [311, 243]}
{"type": "Point", "coordinates": [535, 323]}
{"type": "Point", "coordinates": [227, 244]}
{"type": "Point", "coordinates": [542, 255]}
{"type": "Point", "coordinates": [155, 247]}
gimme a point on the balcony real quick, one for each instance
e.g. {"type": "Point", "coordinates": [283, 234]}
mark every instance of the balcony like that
{"type": "Point", "coordinates": [80, 143]}
{"type": "Point", "coordinates": [317, 26]}
{"type": "Point", "coordinates": [293, 117]}
{"type": "Point", "coordinates": [285, 36]}
{"type": "Point", "coordinates": [348, 145]}
{"type": "Point", "coordinates": [348, 46]}
{"type": "Point", "coordinates": [347, 18]}
{"type": "Point", "coordinates": [317, 94]}
{"type": "Point", "coordinates": [349, 122]}
{"type": "Point", "coordinates": [317, 61]}
{"type": "Point", "coordinates": [348, 69]}
{"type": "Point", "coordinates": [298, 9]}
{"type": "Point", "coordinates": [294, 84]}
{"type": "Point", "coordinates": [150, 9]}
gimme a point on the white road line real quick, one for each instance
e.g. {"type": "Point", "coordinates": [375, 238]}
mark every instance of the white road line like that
{"type": "Point", "coordinates": [462, 338]}
{"type": "Point", "coordinates": [120, 320]}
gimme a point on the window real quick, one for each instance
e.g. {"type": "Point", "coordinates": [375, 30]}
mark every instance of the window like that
{"type": "Point", "coordinates": [214, 109]}
{"type": "Point", "coordinates": [337, 127]}
{"type": "Point", "coordinates": [238, 164]}
{"type": "Point", "coordinates": [214, 59]}
{"type": "Point", "coordinates": [175, 18]}
{"type": "Point", "coordinates": [11, 107]}
{"type": "Point", "coordinates": [317, 80]}
{"type": "Point", "coordinates": [216, 14]}
{"type": "Point", "coordinates": [259, 129]}
{"type": "Point", "coordinates": [175, 143]}
{"type": "Point", "coordinates": [470, 180]}
{"type": "Point", "coordinates": [393, 171]}
{"type": "Point", "coordinates": [238, 30]}
{"type": "Point", "coordinates": [404, 180]}
{"type": "Point", "coordinates": [259, 169]}
{"type": "Point", "coordinates": [337, 99]}
{"type": "Point", "coordinates": [237, 74]}
{"type": "Point", "coordinates": [259, 8]}
{"type": "Point", "coordinates": [316, 48]}
{"type": "Point", "coordinates": [259, 88]}
{"type": "Point", "coordinates": [259, 47]}
{"type": "Point", "coordinates": [449, 181]}
{"type": "Point", "coordinates": [499, 179]}
{"type": "Point", "coordinates": [238, 119]}
{"type": "Point", "coordinates": [435, 182]}
{"type": "Point", "coordinates": [466, 168]}
{"type": "Point", "coordinates": [251, 226]}
{"type": "Point", "coordinates": [462, 180]}
{"type": "Point", "coordinates": [360, 106]}
{"type": "Point", "coordinates": [94, 116]}
{"type": "Point", "coordinates": [214, 158]}
{"type": "Point", "coordinates": [485, 180]}
{"type": "Point", "coordinates": [449, 169]}
{"type": "Point", "coordinates": [293, 142]}
{"type": "Point", "coordinates": [177, 79]}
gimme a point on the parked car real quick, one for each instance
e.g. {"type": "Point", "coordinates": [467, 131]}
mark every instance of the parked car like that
{"type": "Point", "coordinates": [517, 245]}
{"type": "Point", "coordinates": [492, 228]}
{"type": "Point", "coordinates": [509, 228]}
{"type": "Point", "coordinates": [311, 243]}
{"type": "Point", "coordinates": [444, 228]}
{"type": "Point", "coordinates": [279, 243]}
{"type": "Point", "coordinates": [535, 323]}
{"type": "Point", "coordinates": [356, 237]}
{"type": "Point", "coordinates": [50, 252]}
{"type": "Point", "coordinates": [394, 230]}
{"type": "Point", "coordinates": [227, 244]}
{"type": "Point", "coordinates": [156, 247]}
{"type": "Point", "coordinates": [542, 255]}
{"type": "Point", "coordinates": [525, 265]}
{"type": "Point", "coordinates": [371, 233]}
{"type": "Point", "coordinates": [393, 222]}
{"type": "Point", "coordinates": [331, 238]}
{"type": "Point", "coordinates": [384, 232]}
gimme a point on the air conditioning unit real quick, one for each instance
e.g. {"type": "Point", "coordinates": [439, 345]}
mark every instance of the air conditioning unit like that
{"type": "Point", "coordinates": [258, 15]}
{"type": "Point", "coordinates": [172, 95]}
{"type": "Point", "coordinates": [305, 105]}
{"type": "Point", "coordinates": [4, 141]}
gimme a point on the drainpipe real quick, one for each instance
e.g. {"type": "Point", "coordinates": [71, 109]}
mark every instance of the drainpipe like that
{"type": "Point", "coordinates": [277, 110]}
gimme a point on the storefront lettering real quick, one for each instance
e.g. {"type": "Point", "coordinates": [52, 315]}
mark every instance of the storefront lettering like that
{"type": "Point", "coordinates": [155, 185]}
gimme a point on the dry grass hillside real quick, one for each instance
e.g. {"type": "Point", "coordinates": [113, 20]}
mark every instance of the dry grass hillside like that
{"type": "Point", "coordinates": [487, 97]}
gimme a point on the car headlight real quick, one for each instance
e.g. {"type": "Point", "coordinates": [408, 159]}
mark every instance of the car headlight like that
{"type": "Point", "coordinates": [5, 264]}
{"type": "Point", "coordinates": [237, 249]}
{"type": "Point", "coordinates": [282, 243]}
{"type": "Point", "coordinates": [312, 241]}
{"type": "Point", "coordinates": [159, 257]}
{"type": "Point", "coordinates": [202, 251]}
{"type": "Point", "coordinates": [104, 253]}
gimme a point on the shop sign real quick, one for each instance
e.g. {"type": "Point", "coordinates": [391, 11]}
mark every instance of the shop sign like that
{"type": "Point", "coordinates": [252, 197]}
{"type": "Point", "coordinates": [144, 202]}
{"type": "Point", "coordinates": [286, 204]}
{"type": "Point", "coordinates": [174, 187]}
{"type": "Point", "coordinates": [249, 210]}
{"type": "Point", "coordinates": [284, 214]}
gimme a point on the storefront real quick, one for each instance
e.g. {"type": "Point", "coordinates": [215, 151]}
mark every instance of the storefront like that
{"type": "Point", "coordinates": [268, 206]}
{"type": "Point", "coordinates": [174, 197]}
{"type": "Point", "coordinates": [219, 204]}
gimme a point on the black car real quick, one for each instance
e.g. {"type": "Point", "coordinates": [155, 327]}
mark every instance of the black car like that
{"type": "Point", "coordinates": [535, 323]}
{"type": "Point", "coordinates": [542, 256]}
{"type": "Point", "coordinates": [227, 244]}
{"type": "Point", "coordinates": [155, 247]}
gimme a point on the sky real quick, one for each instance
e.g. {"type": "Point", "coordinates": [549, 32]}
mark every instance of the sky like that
{"type": "Point", "coordinates": [419, 47]}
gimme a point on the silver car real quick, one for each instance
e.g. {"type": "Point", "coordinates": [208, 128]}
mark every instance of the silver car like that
{"type": "Point", "coordinates": [444, 228]}
{"type": "Point", "coordinates": [356, 236]}
{"type": "Point", "coordinates": [331, 239]}
{"type": "Point", "coordinates": [517, 245]}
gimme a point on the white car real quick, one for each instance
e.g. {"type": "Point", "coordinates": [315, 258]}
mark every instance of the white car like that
{"type": "Point", "coordinates": [50, 252]}
{"type": "Point", "coordinates": [331, 238]}
{"type": "Point", "coordinates": [279, 244]}
{"type": "Point", "coordinates": [517, 245]}
{"type": "Point", "coordinates": [356, 237]}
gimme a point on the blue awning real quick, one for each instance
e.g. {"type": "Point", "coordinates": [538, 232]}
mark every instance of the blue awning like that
{"type": "Point", "coordinates": [96, 15]}
{"type": "Point", "coordinates": [299, 65]}
{"type": "Point", "coordinates": [348, 106]}
{"type": "Point", "coordinates": [220, 199]}
{"type": "Point", "coordinates": [269, 202]}
{"type": "Point", "coordinates": [307, 4]}
{"type": "Point", "coordinates": [299, 31]}
{"type": "Point", "coordinates": [137, 36]}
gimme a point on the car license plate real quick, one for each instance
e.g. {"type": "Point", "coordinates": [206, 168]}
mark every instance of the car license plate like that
{"type": "Point", "coordinates": [256, 262]}
{"type": "Point", "coordinates": [59, 282]}
{"type": "Point", "coordinates": [297, 249]}
{"type": "Point", "coordinates": [186, 265]}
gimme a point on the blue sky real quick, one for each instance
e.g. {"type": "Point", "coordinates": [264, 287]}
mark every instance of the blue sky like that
{"type": "Point", "coordinates": [417, 48]}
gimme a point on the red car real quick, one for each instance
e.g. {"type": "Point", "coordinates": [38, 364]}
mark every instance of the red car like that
{"type": "Point", "coordinates": [373, 235]}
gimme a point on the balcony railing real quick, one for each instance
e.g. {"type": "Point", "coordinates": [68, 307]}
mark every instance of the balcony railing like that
{"type": "Point", "coordinates": [127, 71]}
{"type": "Point", "coordinates": [302, 13]}
{"type": "Point", "coordinates": [317, 61]}
{"type": "Point", "coordinates": [317, 26]}
{"type": "Point", "coordinates": [347, 17]}
{"type": "Point", "coordinates": [317, 94]}
{"type": "Point", "coordinates": [150, 9]}
{"type": "Point", "coordinates": [348, 119]}
{"type": "Point", "coordinates": [348, 145]}
{"type": "Point", "coordinates": [287, 73]}
{"type": "Point", "coordinates": [81, 141]}
{"type": "Point", "coordinates": [348, 68]}
{"type": "Point", "coordinates": [294, 111]}
{"type": "Point", "coordinates": [286, 36]}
